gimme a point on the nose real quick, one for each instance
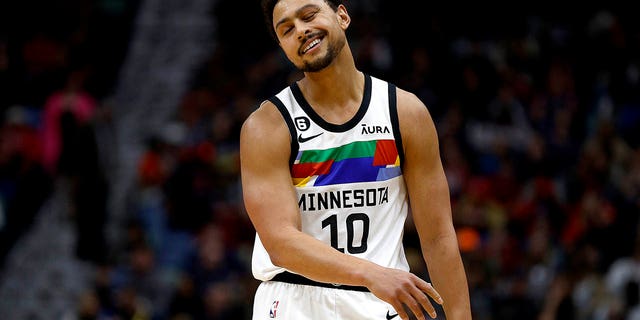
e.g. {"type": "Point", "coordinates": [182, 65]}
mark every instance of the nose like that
{"type": "Point", "coordinates": [303, 31]}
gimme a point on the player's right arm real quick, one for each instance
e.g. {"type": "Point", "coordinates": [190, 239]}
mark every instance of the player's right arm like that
{"type": "Point", "coordinates": [272, 206]}
{"type": "Point", "coordinates": [271, 202]}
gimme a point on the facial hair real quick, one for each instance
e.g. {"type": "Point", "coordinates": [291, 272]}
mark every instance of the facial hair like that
{"type": "Point", "coordinates": [333, 49]}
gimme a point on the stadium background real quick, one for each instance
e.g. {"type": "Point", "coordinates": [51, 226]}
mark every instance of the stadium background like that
{"type": "Point", "coordinates": [119, 191]}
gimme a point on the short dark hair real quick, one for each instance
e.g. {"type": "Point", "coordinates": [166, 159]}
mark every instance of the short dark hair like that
{"type": "Point", "coordinates": [267, 11]}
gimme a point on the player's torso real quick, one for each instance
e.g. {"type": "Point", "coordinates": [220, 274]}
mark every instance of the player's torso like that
{"type": "Point", "coordinates": [348, 177]}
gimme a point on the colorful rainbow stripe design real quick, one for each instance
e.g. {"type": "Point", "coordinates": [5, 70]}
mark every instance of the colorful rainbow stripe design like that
{"type": "Point", "coordinates": [360, 161]}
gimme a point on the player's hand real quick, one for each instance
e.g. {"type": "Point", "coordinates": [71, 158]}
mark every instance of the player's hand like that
{"type": "Point", "coordinates": [400, 288]}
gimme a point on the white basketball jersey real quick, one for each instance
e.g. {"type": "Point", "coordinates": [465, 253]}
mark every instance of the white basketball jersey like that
{"type": "Point", "coordinates": [348, 178]}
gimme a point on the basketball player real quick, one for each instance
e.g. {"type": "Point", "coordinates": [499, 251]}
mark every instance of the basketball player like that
{"type": "Point", "coordinates": [329, 165]}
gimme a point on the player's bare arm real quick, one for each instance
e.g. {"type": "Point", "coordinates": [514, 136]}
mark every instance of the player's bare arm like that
{"type": "Point", "coordinates": [430, 205]}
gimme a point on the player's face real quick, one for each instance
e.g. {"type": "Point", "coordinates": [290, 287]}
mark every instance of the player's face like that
{"type": "Point", "coordinates": [310, 33]}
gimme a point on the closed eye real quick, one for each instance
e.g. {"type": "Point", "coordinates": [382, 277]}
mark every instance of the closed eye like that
{"type": "Point", "coordinates": [309, 16]}
{"type": "Point", "coordinates": [306, 14]}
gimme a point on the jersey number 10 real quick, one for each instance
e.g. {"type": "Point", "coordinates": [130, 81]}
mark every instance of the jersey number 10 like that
{"type": "Point", "coordinates": [332, 223]}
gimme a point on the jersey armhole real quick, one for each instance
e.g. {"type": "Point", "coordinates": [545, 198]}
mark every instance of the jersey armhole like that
{"type": "Point", "coordinates": [292, 129]}
{"type": "Point", "coordinates": [395, 123]}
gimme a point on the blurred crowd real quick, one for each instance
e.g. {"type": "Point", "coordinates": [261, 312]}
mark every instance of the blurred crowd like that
{"type": "Point", "coordinates": [538, 115]}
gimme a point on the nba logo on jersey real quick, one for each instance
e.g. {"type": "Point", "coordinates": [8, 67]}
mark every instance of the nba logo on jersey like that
{"type": "Point", "coordinates": [274, 309]}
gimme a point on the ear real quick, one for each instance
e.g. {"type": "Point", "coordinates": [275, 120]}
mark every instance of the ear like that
{"type": "Point", "coordinates": [343, 17]}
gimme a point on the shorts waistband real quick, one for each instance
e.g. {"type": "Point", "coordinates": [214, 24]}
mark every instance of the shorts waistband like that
{"type": "Point", "coordinates": [293, 278]}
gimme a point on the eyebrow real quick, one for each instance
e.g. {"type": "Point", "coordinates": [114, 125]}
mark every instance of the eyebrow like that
{"type": "Point", "coordinates": [285, 19]}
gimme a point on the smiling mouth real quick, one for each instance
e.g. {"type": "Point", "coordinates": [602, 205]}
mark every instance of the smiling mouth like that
{"type": "Point", "coordinates": [311, 45]}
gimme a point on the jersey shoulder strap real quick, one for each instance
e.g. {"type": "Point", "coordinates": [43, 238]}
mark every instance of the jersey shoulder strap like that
{"type": "Point", "coordinates": [292, 129]}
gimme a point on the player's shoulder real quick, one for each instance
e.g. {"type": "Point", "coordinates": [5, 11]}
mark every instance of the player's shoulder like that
{"type": "Point", "coordinates": [416, 124]}
{"type": "Point", "coordinates": [263, 114]}
{"type": "Point", "coordinates": [410, 106]}
{"type": "Point", "coordinates": [264, 120]}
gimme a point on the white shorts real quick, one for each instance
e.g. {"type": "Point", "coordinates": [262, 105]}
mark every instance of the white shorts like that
{"type": "Point", "coordinates": [289, 301]}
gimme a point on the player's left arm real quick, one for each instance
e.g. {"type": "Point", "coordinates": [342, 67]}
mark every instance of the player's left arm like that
{"type": "Point", "coordinates": [430, 205]}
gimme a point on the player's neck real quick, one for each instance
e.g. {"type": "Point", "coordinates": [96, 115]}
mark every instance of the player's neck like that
{"type": "Point", "coordinates": [338, 84]}
{"type": "Point", "coordinates": [335, 98]}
